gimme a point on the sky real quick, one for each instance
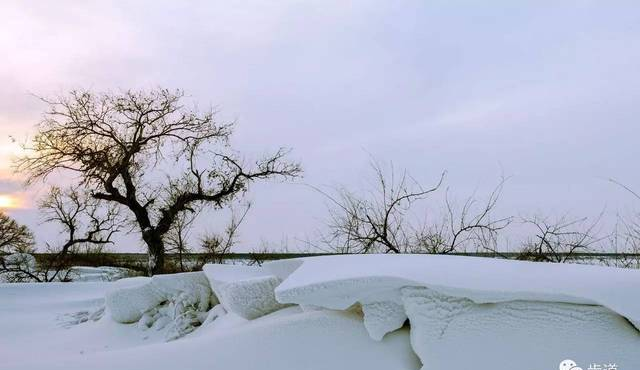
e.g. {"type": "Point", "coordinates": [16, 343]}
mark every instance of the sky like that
{"type": "Point", "coordinates": [545, 93]}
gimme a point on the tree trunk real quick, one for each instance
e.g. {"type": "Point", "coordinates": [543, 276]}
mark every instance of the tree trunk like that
{"type": "Point", "coordinates": [155, 247]}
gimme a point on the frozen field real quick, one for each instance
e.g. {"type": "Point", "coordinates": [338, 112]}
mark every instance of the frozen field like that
{"type": "Point", "coordinates": [346, 312]}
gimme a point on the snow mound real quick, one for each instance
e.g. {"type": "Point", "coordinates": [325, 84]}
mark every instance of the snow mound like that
{"type": "Point", "coordinates": [175, 302]}
{"type": "Point", "coordinates": [251, 298]}
{"type": "Point", "coordinates": [131, 298]}
{"type": "Point", "coordinates": [247, 291]}
{"type": "Point", "coordinates": [504, 336]}
{"type": "Point", "coordinates": [95, 274]}
{"type": "Point", "coordinates": [367, 278]}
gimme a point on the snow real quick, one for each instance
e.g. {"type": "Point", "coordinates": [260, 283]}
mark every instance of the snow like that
{"type": "Point", "coordinates": [250, 298]}
{"type": "Point", "coordinates": [131, 298]}
{"type": "Point", "coordinates": [367, 278]}
{"type": "Point", "coordinates": [247, 291]}
{"type": "Point", "coordinates": [24, 261]}
{"type": "Point", "coordinates": [504, 336]}
{"type": "Point", "coordinates": [175, 302]}
{"type": "Point", "coordinates": [286, 339]}
{"type": "Point", "coordinates": [383, 317]}
{"type": "Point", "coordinates": [101, 273]}
{"type": "Point", "coordinates": [348, 312]}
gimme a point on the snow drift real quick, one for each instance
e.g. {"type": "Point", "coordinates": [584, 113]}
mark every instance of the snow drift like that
{"type": "Point", "coordinates": [349, 312]}
{"type": "Point", "coordinates": [178, 302]}
{"type": "Point", "coordinates": [501, 314]}
{"type": "Point", "coordinates": [247, 291]}
{"type": "Point", "coordinates": [338, 282]}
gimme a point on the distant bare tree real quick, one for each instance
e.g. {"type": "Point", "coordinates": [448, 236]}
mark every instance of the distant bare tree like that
{"type": "Point", "coordinates": [378, 223]}
{"type": "Point", "coordinates": [217, 246]}
{"type": "Point", "coordinates": [383, 223]}
{"type": "Point", "coordinates": [13, 236]}
{"type": "Point", "coordinates": [82, 222]}
{"type": "Point", "coordinates": [121, 146]}
{"type": "Point", "coordinates": [559, 240]}
{"type": "Point", "coordinates": [471, 226]}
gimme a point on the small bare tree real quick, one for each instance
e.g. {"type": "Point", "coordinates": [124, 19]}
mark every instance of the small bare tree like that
{"type": "Point", "coordinates": [218, 245]}
{"type": "Point", "coordinates": [378, 223]}
{"type": "Point", "coordinates": [83, 222]}
{"type": "Point", "coordinates": [472, 225]}
{"type": "Point", "coordinates": [16, 242]}
{"type": "Point", "coordinates": [559, 240]}
{"type": "Point", "coordinates": [14, 238]}
{"type": "Point", "coordinates": [122, 145]}
{"type": "Point", "coordinates": [383, 222]}
{"type": "Point", "coordinates": [177, 238]}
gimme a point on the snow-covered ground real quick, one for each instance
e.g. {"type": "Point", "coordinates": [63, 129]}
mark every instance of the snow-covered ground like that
{"type": "Point", "coordinates": [344, 312]}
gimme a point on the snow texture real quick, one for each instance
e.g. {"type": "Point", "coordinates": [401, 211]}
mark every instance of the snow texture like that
{"type": "Point", "coordinates": [383, 317]}
{"type": "Point", "coordinates": [250, 298]}
{"type": "Point", "coordinates": [285, 340]}
{"type": "Point", "coordinates": [175, 302]}
{"type": "Point", "coordinates": [504, 336]}
{"type": "Point", "coordinates": [370, 278]}
{"type": "Point", "coordinates": [247, 291]}
{"type": "Point", "coordinates": [131, 298]}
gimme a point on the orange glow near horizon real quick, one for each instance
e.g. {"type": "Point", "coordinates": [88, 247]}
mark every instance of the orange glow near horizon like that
{"type": "Point", "coordinates": [9, 201]}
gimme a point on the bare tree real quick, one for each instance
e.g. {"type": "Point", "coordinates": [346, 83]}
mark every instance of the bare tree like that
{"type": "Point", "coordinates": [383, 222]}
{"type": "Point", "coordinates": [121, 145]}
{"type": "Point", "coordinates": [559, 240]}
{"type": "Point", "coordinates": [218, 245]}
{"type": "Point", "coordinates": [378, 223]}
{"type": "Point", "coordinates": [13, 236]}
{"type": "Point", "coordinates": [82, 222]}
{"type": "Point", "coordinates": [177, 238]}
{"type": "Point", "coordinates": [472, 225]}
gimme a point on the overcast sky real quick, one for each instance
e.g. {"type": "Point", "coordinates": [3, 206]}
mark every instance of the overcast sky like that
{"type": "Point", "coordinates": [545, 92]}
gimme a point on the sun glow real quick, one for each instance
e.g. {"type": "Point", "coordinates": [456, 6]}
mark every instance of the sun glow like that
{"type": "Point", "coordinates": [8, 201]}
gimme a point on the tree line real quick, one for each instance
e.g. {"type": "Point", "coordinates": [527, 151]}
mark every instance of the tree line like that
{"type": "Point", "coordinates": [145, 162]}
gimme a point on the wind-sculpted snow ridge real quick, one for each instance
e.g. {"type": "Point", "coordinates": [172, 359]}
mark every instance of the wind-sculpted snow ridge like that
{"type": "Point", "coordinates": [468, 313]}
{"type": "Point", "coordinates": [176, 302]}
{"type": "Point", "coordinates": [247, 291]}
{"type": "Point", "coordinates": [337, 282]}
{"type": "Point", "coordinates": [458, 334]}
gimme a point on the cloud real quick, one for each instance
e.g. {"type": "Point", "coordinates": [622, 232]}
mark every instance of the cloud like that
{"type": "Point", "coordinates": [10, 186]}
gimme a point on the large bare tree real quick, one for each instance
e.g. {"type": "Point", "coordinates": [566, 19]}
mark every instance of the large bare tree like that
{"type": "Point", "coordinates": [147, 152]}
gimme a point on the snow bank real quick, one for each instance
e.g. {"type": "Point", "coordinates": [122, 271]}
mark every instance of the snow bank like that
{"type": "Point", "coordinates": [247, 291]}
{"type": "Point", "coordinates": [286, 340]}
{"type": "Point", "coordinates": [175, 302]}
{"type": "Point", "coordinates": [458, 334]}
{"type": "Point", "coordinates": [131, 298]}
{"type": "Point", "coordinates": [367, 278]}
